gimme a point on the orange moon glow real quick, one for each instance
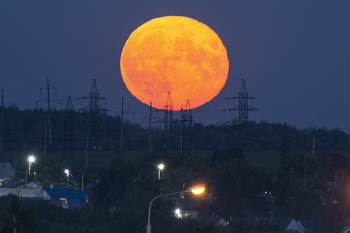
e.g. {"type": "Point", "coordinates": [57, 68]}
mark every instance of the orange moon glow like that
{"type": "Point", "coordinates": [174, 54]}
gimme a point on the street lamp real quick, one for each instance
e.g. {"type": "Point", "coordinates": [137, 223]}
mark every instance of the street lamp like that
{"type": "Point", "coordinates": [67, 172]}
{"type": "Point", "coordinates": [31, 159]}
{"type": "Point", "coordinates": [160, 167]}
{"type": "Point", "coordinates": [194, 189]}
{"type": "Point", "coordinates": [177, 212]}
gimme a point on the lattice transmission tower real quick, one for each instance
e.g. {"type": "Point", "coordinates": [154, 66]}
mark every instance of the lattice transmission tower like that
{"type": "Point", "coordinates": [168, 113]}
{"type": "Point", "coordinates": [95, 111]}
{"type": "Point", "coordinates": [243, 106]}
{"type": "Point", "coordinates": [68, 132]}
{"type": "Point", "coordinates": [169, 119]}
{"type": "Point", "coordinates": [186, 129]}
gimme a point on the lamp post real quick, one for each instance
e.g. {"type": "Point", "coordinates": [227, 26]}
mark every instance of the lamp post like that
{"type": "Point", "coordinates": [160, 167]}
{"type": "Point", "coordinates": [177, 212]}
{"type": "Point", "coordinates": [194, 189]}
{"type": "Point", "coordinates": [67, 172]}
{"type": "Point", "coordinates": [31, 159]}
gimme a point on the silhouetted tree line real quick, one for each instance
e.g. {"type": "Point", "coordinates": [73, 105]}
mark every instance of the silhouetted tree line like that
{"type": "Point", "coordinates": [25, 130]}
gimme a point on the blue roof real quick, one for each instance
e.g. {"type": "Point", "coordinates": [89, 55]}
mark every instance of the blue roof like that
{"type": "Point", "coordinates": [74, 202]}
{"type": "Point", "coordinates": [75, 197]}
{"type": "Point", "coordinates": [65, 193]}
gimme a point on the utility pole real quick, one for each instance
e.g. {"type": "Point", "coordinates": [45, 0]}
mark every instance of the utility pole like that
{"type": "Point", "coordinates": [48, 106]}
{"type": "Point", "coordinates": [305, 166]}
{"type": "Point", "coordinates": [87, 149]}
{"type": "Point", "coordinates": [15, 163]}
{"type": "Point", "coordinates": [181, 148]}
{"type": "Point", "coordinates": [68, 131]}
{"type": "Point", "coordinates": [313, 142]}
{"type": "Point", "coordinates": [49, 110]}
{"type": "Point", "coordinates": [222, 138]}
{"type": "Point", "coordinates": [121, 125]}
{"type": "Point", "coordinates": [122, 121]}
{"type": "Point", "coordinates": [82, 181]}
{"type": "Point", "coordinates": [25, 179]}
{"type": "Point", "coordinates": [2, 120]}
{"type": "Point", "coordinates": [45, 141]}
{"type": "Point", "coordinates": [150, 126]}
{"type": "Point", "coordinates": [284, 156]}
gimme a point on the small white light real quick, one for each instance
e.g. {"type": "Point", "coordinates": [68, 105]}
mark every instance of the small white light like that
{"type": "Point", "coordinates": [161, 166]}
{"type": "Point", "coordinates": [177, 211]}
{"type": "Point", "coordinates": [66, 171]}
{"type": "Point", "coordinates": [31, 159]}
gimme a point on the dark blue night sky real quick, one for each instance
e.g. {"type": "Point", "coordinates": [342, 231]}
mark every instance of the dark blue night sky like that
{"type": "Point", "coordinates": [294, 55]}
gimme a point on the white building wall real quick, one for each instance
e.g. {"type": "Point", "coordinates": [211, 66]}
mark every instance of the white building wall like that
{"type": "Point", "coordinates": [25, 192]}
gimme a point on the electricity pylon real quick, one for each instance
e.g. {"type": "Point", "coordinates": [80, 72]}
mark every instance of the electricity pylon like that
{"type": "Point", "coordinates": [95, 111]}
{"type": "Point", "coordinates": [243, 107]}
{"type": "Point", "coordinates": [186, 129]}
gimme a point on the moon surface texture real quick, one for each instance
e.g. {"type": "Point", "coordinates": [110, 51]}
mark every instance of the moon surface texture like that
{"type": "Point", "coordinates": [174, 54]}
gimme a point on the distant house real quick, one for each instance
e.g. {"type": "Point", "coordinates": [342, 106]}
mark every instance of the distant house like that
{"type": "Point", "coordinates": [65, 198]}
{"type": "Point", "coordinates": [12, 184]}
{"type": "Point", "coordinates": [216, 220]}
{"type": "Point", "coordinates": [187, 207]}
{"type": "Point", "coordinates": [60, 203]}
{"type": "Point", "coordinates": [61, 186]}
{"type": "Point", "coordinates": [287, 223]}
{"type": "Point", "coordinates": [187, 214]}
{"type": "Point", "coordinates": [6, 172]}
{"type": "Point", "coordinates": [71, 198]}
{"type": "Point", "coordinates": [17, 188]}
{"type": "Point", "coordinates": [306, 225]}
{"type": "Point", "coordinates": [19, 184]}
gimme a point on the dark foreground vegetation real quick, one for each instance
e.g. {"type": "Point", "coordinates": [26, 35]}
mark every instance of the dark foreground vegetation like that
{"type": "Point", "coordinates": [121, 184]}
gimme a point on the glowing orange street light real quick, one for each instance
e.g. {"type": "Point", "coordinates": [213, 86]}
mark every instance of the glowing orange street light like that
{"type": "Point", "coordinates": [198, 189]}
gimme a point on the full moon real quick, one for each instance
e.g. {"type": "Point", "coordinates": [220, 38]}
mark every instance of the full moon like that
{"type": "Point", "coordinates": [174, 54]}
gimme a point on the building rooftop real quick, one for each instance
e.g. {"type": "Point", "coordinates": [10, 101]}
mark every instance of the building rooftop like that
{"type": "Point", "coordinates": [6, 170]}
